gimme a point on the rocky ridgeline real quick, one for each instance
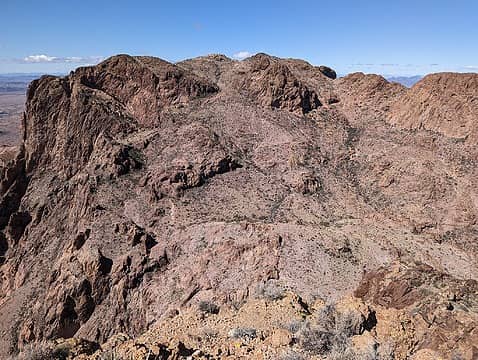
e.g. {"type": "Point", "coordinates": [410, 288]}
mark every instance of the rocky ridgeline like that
{"type": "Point", "coordinates": [143, 191]}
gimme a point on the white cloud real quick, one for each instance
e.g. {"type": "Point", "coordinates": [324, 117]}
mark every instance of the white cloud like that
{"type": "Point", "coordinates": [55, 59]}
{"type": "Point", "coordinates": [39, 58]}
{"type": "Point", "coordinates": [241, 55]}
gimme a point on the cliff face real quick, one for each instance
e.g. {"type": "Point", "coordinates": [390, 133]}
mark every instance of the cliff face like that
{"type": "Point", "coordinates": [142, 187]}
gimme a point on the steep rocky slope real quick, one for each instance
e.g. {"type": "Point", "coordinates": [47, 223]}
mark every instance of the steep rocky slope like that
{"type": "Point", "coordinates": [143, 189]}
{"type": "Point", "coordinates": [446, 103]}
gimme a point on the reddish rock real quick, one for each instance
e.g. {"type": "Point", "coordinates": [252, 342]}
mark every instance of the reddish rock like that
{"type": "Point", "coordinates": [446, 103]}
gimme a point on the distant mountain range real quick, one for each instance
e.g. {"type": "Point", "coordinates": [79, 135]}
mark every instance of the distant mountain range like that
{"type": "Point", "coordinates": [16, 83]}
{"type": "Point", "coordinates": [408, 81]}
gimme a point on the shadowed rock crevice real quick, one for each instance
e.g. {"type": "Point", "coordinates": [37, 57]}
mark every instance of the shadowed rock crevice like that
{"type": "Point", "coordinates": [13, 185]}
{"type": "Point", "coordinates": [17, 224]}
{"type": "Point", "coordinates": [3, 247]}
{"type": "Point", "coordinates": [174, 182]}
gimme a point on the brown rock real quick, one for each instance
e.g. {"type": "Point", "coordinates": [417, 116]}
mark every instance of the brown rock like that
{"type": "Point", "coordinates": [446, 103]}
{"type": "Point", "coordinates": [330, 73]}
{"type": "Point", "coordinates": [274, 85]}
{"type": "Point", "coordinates": [281, 337]}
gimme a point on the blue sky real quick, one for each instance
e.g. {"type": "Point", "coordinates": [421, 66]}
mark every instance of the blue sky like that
{"type": "Point", "coordinates": [400, 37]}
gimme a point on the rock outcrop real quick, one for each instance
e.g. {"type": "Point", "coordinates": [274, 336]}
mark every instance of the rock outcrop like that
{"type": "Point", "coordinates": [274, 85]}
{"type": "Point", "coordinates": [437, 313]}
{"type": "Point", "coordinates": [330, 73]}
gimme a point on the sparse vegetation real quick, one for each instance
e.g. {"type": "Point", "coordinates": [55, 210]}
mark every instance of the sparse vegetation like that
{"type": "Point", "coordinates": [292, 355]}
{"type": "Point", "coordinates": [270, 290]}
{"type": "Point", "coordinates": [137, 157]}
{"type": "Point", "coordinates": [243, 333]}
{"type": "Point", "coordinates": [331, 336]}
{"type": "Point", "coordinates": [293, 161]}
{"type": "Point", "coordinates": [209, 333]}
{"type": "Point", "coordinates": [386, 351]}
{"type": "Point", "coordinates": [316, 341]}
{"type": "Point", "coordinates": [295, 326]}
{"type": "Point", "coordinates": [40, 351]}
{"type": "Point", "coordinates": [457, 356]}
{"type": "Point", "coordinates": [112, 355]}
{"type": "Point", "coordinates": [208, 307]}
{"type": "Point", "coordinates": [109, 355]}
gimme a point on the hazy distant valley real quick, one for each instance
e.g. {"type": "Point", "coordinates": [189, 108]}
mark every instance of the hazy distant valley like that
{"type": "Point", "coordinates": [12, 102]}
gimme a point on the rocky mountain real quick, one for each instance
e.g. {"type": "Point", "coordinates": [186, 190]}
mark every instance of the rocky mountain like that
{"type": "Point", "coordinates": [259, 209]}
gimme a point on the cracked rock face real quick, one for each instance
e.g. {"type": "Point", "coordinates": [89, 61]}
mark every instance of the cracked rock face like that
{"type": "Point", "coordinates": [142, 188]}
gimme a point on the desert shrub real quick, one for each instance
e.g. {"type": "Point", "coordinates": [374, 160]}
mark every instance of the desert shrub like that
{"type": "Point", "coordinates": [457, 356]}
{"type": "Point", "coordinates": [208, 307]}
{"type": "Point", "coordinates": [292, 355]}
{"type": "Point", "coordinates": [137, 157]}
{"type": "Point", "coordinates": [386, 351]}
{"type": "Point", "coordinates": [295, 326]}
{"type": "Point", "coordinates": [113, 355]}
{"type": "Point", "coordinates": [40, 351]}
{"type": "Point", "coordinates": [209, 334]}
{"type": "Point", "coordinates": [270, 290]}
{"type": "Point", "coordinates": [349, 324]}
{"type": "Point", "coordinates": [332, 333]}
{"type": "Point", "coordinates": [243, 333]}
{"type": "Point", "coordinates": [344, 354]}
{"type": "Point", "coordinates": [237, 304]}
{"type": "Point", "coordinates": [341, 324]}
{"type": "Point", "coordinates": [326, 317]}
{"type": "Point", "coordinates": [331, 337]}
{"type": "Point", "coordinates": [316, 341]}
{"type": "Point", "coordinates": [108, 355]}
{"type": "Point", "coordinates": [295, 160]}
